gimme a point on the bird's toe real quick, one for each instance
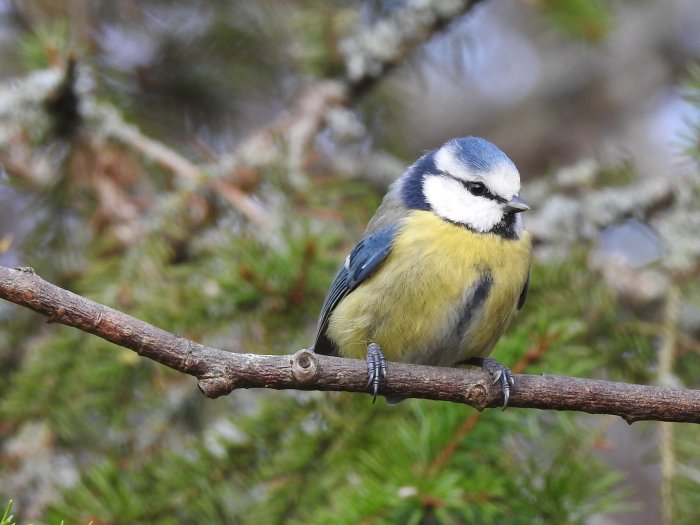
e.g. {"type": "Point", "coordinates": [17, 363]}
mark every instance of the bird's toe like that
{"type": "Point", "coordinates": [501, 374]}
{"type": "Point", "coordinates": [376, 369]}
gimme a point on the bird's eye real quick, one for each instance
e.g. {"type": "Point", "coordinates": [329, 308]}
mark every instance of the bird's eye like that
{"type": "Point", "coordinates": [476, 188]}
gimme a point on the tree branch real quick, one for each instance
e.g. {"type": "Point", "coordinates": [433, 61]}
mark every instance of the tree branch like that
{"type": "Point", "coordinates": [220, 372]}
{"type": "Point", "coordinates": [376, 50]}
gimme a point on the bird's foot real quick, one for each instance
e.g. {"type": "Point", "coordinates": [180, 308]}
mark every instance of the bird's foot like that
{"type": "Point", "coordinates": [500, 373]}
{"type": "Point", "coordinates": [376, 368]}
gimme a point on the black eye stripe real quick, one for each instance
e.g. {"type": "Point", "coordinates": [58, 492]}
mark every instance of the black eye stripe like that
{"type": "Point", "coordinates": [481, 189]}
{"type": "Point", "coordinates": [486, 192]}
{"type": "Point", "coordinates": [476, 188]}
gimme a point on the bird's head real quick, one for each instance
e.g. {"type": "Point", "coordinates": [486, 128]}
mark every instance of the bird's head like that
{"type": "Point", "coordinates": [468, 181]}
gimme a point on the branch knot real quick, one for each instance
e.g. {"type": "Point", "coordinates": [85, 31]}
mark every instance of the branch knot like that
{"type": "Point", "coordinates": [477, 396]}
{"type": "Point", "coordinates": [304, 366]}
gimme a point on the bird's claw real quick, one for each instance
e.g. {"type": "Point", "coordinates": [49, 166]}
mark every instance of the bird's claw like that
{"type": "Point", "coordinates": [501, 374]}
{"type": "Point", "coordinates": [376, 368]}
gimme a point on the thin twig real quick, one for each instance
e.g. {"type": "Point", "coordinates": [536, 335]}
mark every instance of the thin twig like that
{"type": "Point", "coordinates": [666, 358]}
{"type": "Point", "coordinates": [220, 372]}
{"type": "Point", "coordinates": [375, 50]}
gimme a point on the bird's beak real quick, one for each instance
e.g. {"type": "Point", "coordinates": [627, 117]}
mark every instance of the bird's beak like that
{"type": "Point", "coordinates": [516, 205]}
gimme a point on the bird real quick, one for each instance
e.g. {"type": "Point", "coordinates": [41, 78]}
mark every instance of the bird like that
{"type": "Point", "coordinates": [440, 271]}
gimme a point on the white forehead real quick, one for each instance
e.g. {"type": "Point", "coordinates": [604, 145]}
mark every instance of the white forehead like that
{"type": "Point", "coordinates": [473, 159]}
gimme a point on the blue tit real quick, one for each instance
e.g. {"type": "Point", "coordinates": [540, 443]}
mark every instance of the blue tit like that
{"type": "Point", "coordinates": [441, 270]}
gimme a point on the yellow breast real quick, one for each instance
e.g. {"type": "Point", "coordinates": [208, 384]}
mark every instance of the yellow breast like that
{"type": "Point", "coordinates": [412, 305]}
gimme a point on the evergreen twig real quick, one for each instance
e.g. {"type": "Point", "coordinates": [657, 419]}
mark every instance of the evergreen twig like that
{"type": "Point", "coordinates": [220, 372]}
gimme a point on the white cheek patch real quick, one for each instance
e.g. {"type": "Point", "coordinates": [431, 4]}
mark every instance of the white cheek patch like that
{"type": "Point", "coordinates": [453, 202]}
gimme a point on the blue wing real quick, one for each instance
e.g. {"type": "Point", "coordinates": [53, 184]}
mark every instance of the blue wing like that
{"type": "Point", "coordinates": [362, 262]}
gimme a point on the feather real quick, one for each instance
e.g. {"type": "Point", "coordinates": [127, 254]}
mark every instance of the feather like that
{"type": "Point", "coordinates": [523, 294]}
{"type": "Point", "coordinates": [362, 262]}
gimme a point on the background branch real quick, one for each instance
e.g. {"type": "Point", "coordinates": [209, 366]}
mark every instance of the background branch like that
{"type": "Point", "coordinates": [220, 372]}
{"type": "Point", "coordinates": [376, 50]}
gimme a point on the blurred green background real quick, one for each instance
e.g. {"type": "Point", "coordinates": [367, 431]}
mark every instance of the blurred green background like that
{"type": "Point", "coordinates": [206, 166]}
